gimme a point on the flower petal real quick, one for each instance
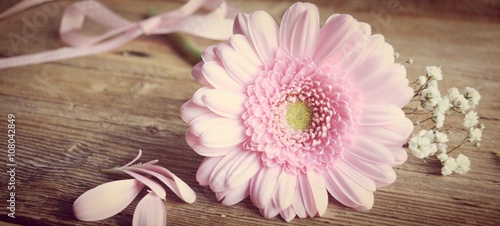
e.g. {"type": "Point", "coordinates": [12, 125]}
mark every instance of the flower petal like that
{"type": "Point", "coordinates": [202, 123]}
{"type": "Point", "coordinates": [288, 214]}
{"type": "Point", "coordinates": [356, 176]}
{"type": "Point", "coordinates": [370, 150]}
{"type": "Point", "coordinates": [355, 192]}
{"type": "Point", "coordinates": [224, 135]}
{"type": "Point", "coordinates": [235, 195]}
{"type": "Point", "coordinates": [190, 111]}
{"type": "Point", "coordinates": [194, 142]}
{"type": "Point", "coordinates": [317, 186]}
{"type": "Point", "coordinates": [245, 167]}
{"type": "Point", "coordinates": [153, 185]}
{"type": "Point", "coordinates": [285, 191]}
{"type": "Point", "coordinates": [240, 25]}
{"type": "Point", "coordinates": [380, 114]}
{"type": "Point", "coordinates": [299, 31]}
{"type": "Point", "coordinates": [106, 200]}
{"type": "Point", "coordinates": [263, 185]}
{"type": "Point", "coordinates": [369, 71]}
{"type": "Point", "coordinates": [198, 75]}
{"type": "Point", "coordinates": [244, 47]}
{"type": "Point", "coordinates": [227, 104]}
{"type": "Point", "coordinates": [270, 210]}
{"type": "Point", "coordinates": [150, 211]}
{"type": "Point", "coordinates": [382, 175]}
{"type": "Point", "coordinates": [178, 186]}
{"type": "Point", "coordinates": [382, 135]}
{"type": "Point", "coordinates": [298, 202]}
{"type": "Point", "coordinates": [238, 67]}
{"type": "Point", "coordinates": [264, 33]}
{"type": "Point", "coordinates": [220, 172]}
{"type": "Point", "coordinates": [217, 76]}
{"type": "Point", "coordinates": [206, 168]}
{"type": "Point", "coordinates": [307, 195]}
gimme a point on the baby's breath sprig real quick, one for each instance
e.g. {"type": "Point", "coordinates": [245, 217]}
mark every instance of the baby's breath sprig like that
{"type": "Point", "coordinates": [432, 138]}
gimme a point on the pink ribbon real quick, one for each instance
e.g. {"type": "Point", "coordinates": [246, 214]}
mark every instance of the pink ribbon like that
{"type": "Point", "coordinates": [216, 24]}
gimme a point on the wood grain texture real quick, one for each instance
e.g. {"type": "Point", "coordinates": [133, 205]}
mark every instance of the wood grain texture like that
{"type": "Point", "coordinates": [75, 117]}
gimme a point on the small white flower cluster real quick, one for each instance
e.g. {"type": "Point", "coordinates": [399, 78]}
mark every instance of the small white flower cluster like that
{"type": "Point", "coordinates": [433, 141]}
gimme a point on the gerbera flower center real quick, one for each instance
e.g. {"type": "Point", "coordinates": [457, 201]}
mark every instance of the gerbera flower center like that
{"type": "Point", "coordinates": [298, 115]}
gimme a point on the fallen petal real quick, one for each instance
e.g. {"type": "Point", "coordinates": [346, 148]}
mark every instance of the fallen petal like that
{"type": "Point", "coordinates": [106, 200]}
{"type": "Point", "coordinates": [150, 211]}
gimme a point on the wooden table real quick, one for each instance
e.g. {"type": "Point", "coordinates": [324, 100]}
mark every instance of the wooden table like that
{"type": "Point", "coordinates": [77, 116]}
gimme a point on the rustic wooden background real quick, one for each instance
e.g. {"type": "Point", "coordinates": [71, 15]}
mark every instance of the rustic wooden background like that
{"type": "Point", "coordinates": [75, 117]}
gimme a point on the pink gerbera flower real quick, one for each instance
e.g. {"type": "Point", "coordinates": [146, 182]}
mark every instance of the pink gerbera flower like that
{"type": "Point", "coordinates": [288, 114]}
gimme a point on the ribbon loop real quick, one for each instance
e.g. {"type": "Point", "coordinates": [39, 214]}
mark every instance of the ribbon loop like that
{"type": "Point", "coordinates": [217, 24]}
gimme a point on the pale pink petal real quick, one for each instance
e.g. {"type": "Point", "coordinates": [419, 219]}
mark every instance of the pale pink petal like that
{"type": "Point", "coordinates": [394, 76]}
{"type": "Point", "coordinates": [378, 46]}
{"type": "Point", "coordinates": [238, 67]}
{"type": "Point", "coordinates": [382, 175]}
{"type": "Point", "coordinates": [298, 202]}
{"type": "Point", "coordinates": [264, 33]}
{"type": "Point", "coordinates": [178, 186]}
{"type": "Point", "coordinates": [405, 95]}
{"type": "Point", "coordinates": [220, 172]}
{"type": "Point", "coordinates": [270, 210]}
{"type": "Point", "coordinates": [288, 214]}
{"type": "Point", "coordinates": [153, 185]}
{"type": "Point", "coordinates": [380, 114]}
{"type": "Point", "coordinates": [218, 77]}
{"type": "Point", "coordinates": [400, 156]}
{"type": "Point", "coordinates": [263, 186]}
{"type": "Point", "coordinates": [224, 135]}
{"type": "Point", "coordinates": [356, 176]}
{"type": "Point", "coordinates": [383, 135]}
{"type": "Point", "coordinates": [300, 29]}
{"type": "Point", "coordinates": [318, 190]}
{"type": "Point", "coordinates": [404, 127]}
{"type": "Point", "coordinates": [368, 71]}
{"type": "Point", "coordinates": [355, 192]}
{"type": "Point", "coordinates": [202, 123]}
{"type": "Point", "coordinates": [335, 191]}
{"type": "Point", "coordinates": [150, 211]}
{"type": "Point", "coordinates": [284, 194]}
{"type": "Point", "coordinates": [236, 195]}
{"type": "Point", "coordinates": [194, 142]}
{"type": "Point", "coordinates": [370, 150]}
{"type": "Point", "coordinates": [209, 54]}
{"type": "Point", "coordinates": [240, 25]}
{"type": "Point", "coordinates": [224, 103]}
{"type": "Point", "coordinates": [106, 200]}
{"type": "Point", "coordinates": [206, 168]}
{"type": "Point", "coordinates": [190, 111]}
{"type": "Point", "coordinates": [307, 195]}
{"type": "Point", "coordinates": [197, 96]}
{"type": "Point", "coordinates": [338, 36]}
{"type": "Point", "coordinates": [244, 47]}
{"type": "Point", "coordinates": [244, 169]}
{"type": "Point", "coordinates": [198, 75]}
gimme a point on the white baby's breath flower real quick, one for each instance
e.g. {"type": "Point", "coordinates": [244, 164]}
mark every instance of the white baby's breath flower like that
{"type": "Point", "coordinates": [470, 119]}
{"type": "Point", "coordinates": [453, 94]}
{"type": "Point", "coordinates": [443, 157]}
{"type": "Point", "coordinates": [472, 95]}
{"type": "Point", "coordinates": [434, 72]}
{"type": "Point", "coordinates": [475, 134]}
{"type": "Point", "coordinates": [438, 118]}
{"type": "Point", "coordinates": [461, 104]}
{"type": "Point", "coordinates": [440, 137]}
{"type": "Point", "coordinates": [443, 105]}
{"type": "Point", "coordinates": [421, 80]}
{"type": "Point", "coordinates": [431, 95]}
{"type": "Point", "coordinates": [422, 145]}
{"type": "Point", "coordinates": [442, 147]}
{"type": "Point", "coordinates": [463, 164]}
{"type": "Point", "coordinates": [448, 166]}
{"type": "Point", "coordinates": [396, 55]}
